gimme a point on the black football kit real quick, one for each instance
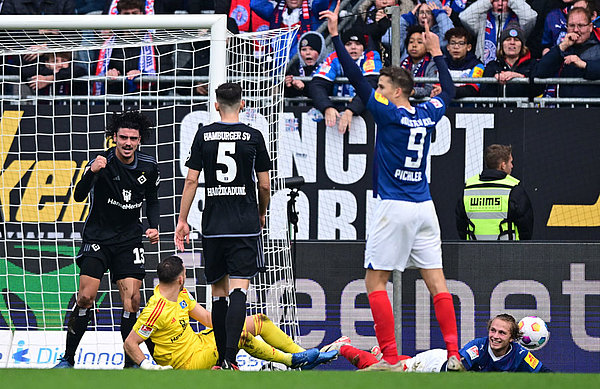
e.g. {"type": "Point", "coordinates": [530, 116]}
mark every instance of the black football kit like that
{"type": "Point", "coordinates": [230, 154]}
{"type": "Point", "coordinates": [113, 230]}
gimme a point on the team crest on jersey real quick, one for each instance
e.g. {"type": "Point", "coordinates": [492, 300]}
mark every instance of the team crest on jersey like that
{"type": "Point", "coordinates": [473, 352]}
{"type": "Point", "coordinates": [96, 247]}
{"type": "Point", "coordinates": [379, 97]}
{"type": "Point", "coordinates": [126, 195]}
{"type": "Point", "coordinates": [436, 103]}
{"type": "Point", "coordinates": [141, 179]}
{"type": "Point", "coordinates": [183, 304]}
{"type": "Point", "coordinates": [531, 360]}
{"type": "Point", "coordinates": [145, 331]}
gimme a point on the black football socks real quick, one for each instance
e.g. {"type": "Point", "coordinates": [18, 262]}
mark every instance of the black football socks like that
{"type": "Point", "coordinates": [219, 316]}
{"type": "Point", "coordinates": [236, 315]}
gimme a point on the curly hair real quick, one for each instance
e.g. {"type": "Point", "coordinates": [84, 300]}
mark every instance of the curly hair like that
{"type": "Point", "coordinates": [129, 119]}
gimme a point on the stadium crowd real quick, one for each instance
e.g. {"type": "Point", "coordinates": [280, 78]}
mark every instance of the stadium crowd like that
{"type": "Point", "coordinates": [504, 39]}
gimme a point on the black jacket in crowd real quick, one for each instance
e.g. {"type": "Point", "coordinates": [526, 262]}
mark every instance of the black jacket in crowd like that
{"type": "Point", "coordinates": [294, 70]}
{"type": "Point", "coordinates": [525, 65]}
{"type": "Point", "coordinates": [38, 7]}
{"type": "Point", "coordinates": [552, 65]}
{"type": "Point", "coordinates": [520, 211]}
{"type": "Point", "coordinates": [66, 82]}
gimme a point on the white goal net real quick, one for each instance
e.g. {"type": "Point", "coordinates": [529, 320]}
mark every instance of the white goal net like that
{"type": "Point", "coordinates": [62, 79]}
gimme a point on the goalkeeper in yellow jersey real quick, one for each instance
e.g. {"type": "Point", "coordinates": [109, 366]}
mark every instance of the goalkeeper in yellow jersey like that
{"type": "Point", "coordinates": [166, 321]}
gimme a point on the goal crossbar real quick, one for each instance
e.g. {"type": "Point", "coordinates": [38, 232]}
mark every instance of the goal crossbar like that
{"type": "Point", "coordinates": [115, 22]}
{"type": "Point", "coordinates": [216, 23]}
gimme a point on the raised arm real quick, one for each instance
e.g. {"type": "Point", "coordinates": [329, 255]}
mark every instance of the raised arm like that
{"type": "Point", "coordinates": [432, 44]}
{"type": "Point", "coordinates": [89, 178]}
{"type": "Point", "coordinates": [351, 70]}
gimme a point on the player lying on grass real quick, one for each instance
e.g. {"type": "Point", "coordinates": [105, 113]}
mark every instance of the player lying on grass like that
{"type": "Point", "coordinates": [499, 351]}
{"type": "Point", "coordinates": [166, 321]}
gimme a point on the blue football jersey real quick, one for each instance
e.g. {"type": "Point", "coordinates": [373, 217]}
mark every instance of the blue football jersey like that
{"type": "Point", "coordinates": [402, 146]}
{"type": "Point", "coordinates": [369, 63]}
{"type": "Point", "coordinates": [477, 358]}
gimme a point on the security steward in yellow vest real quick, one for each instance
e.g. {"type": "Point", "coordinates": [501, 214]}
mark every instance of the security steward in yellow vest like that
{"type": "Point", "coordinates": [494, 205]}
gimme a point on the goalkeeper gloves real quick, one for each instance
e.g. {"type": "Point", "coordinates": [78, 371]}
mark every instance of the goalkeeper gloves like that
{"type": "Point", "coordinates": [148, 365]}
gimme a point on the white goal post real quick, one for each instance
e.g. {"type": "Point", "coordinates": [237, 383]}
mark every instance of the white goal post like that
{"type": "Point", "coordinates": [51, 128]}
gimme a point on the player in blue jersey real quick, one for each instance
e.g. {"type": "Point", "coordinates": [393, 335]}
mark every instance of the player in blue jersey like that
{"type": "Point", "coordinates": [499, 351]}
{"type": "Point", "coordinates": [404, 230]}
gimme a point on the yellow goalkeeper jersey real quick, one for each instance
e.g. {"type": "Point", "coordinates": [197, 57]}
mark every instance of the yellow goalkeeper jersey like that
{"type": "Point", "coordinates": [167, 323]}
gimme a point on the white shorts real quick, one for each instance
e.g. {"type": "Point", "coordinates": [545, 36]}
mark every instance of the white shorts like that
{"type": "Point", "coordinates": [430, 361]}
{"type": "Point", "coordinates": [403, 234]}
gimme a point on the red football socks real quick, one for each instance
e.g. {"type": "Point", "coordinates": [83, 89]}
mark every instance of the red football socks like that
{"type": "Point", "coordinates": [383, 316]}
{"type": "Point", "coordinates": [358, 358]}
{"type": "Point", "coordinates": [444, 312]}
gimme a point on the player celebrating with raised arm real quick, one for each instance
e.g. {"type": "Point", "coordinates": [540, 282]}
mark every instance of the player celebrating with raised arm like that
{"type": "Point", "coordinates": [404, 231]}
{"type": "Point", "coordinates": [117, 182]}
{"type": "Point", "coordinates": [166, 320]}
{"type": "Point", "coordinates": [233, 156]}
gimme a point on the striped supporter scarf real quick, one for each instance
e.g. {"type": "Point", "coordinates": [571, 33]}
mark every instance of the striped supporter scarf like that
{"type": "Point", "coordinates": [147, 61]}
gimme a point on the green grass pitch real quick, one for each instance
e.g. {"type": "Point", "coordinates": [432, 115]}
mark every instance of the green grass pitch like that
{"type": "Point", "coordinates": [131, 379]}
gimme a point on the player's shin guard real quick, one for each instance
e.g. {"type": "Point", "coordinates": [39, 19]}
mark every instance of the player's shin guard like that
{"type": "Point", "coordinates": [261, 350]}
{"type": "Point", "coordinates": [236, 315]}
{"type": "Point", "coordinates": [127, 321]}
{"type": "Point", "coordinates": [444, 313]}
{"type": "Point", "coordinates": [76, 326]}
{"type": "Point", "coordinates": [219, 317]}
{"type": "Point", "coordinates": [383, 316]}
{"type": "Point", "coordinates": [273, 335]}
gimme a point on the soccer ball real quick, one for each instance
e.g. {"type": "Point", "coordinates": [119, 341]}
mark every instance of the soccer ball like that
{"type": "Point", "coordinates": [535, 333]}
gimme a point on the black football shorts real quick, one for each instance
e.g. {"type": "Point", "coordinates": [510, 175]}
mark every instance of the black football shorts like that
{"type": "Point", "coordinates": [239, 257]}
{"type": "Point", "coordinates": [124, 260]}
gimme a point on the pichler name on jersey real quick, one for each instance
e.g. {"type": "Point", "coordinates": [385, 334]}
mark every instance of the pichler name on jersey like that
{"type": "Point", "coordinates": [406, 175]}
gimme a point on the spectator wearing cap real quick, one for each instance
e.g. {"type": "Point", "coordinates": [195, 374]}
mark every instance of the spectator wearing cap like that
{"type": "Point", "coordinates": [290, 13]}
{"type": "Point", "coordinates": [486, 19]}
{"type": "Point", "coordinates": [418, 61]}
{"type": "Point", "coordinates": [576, 56]}
{"type": "Point", "coordinates": [432, 13]}
{"type": "Point", "coordinates": [322, 86]}
{"type": "Point", "coordinates": [513, 61]}
{"type": "Point", "coordinates": [311, 54]}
